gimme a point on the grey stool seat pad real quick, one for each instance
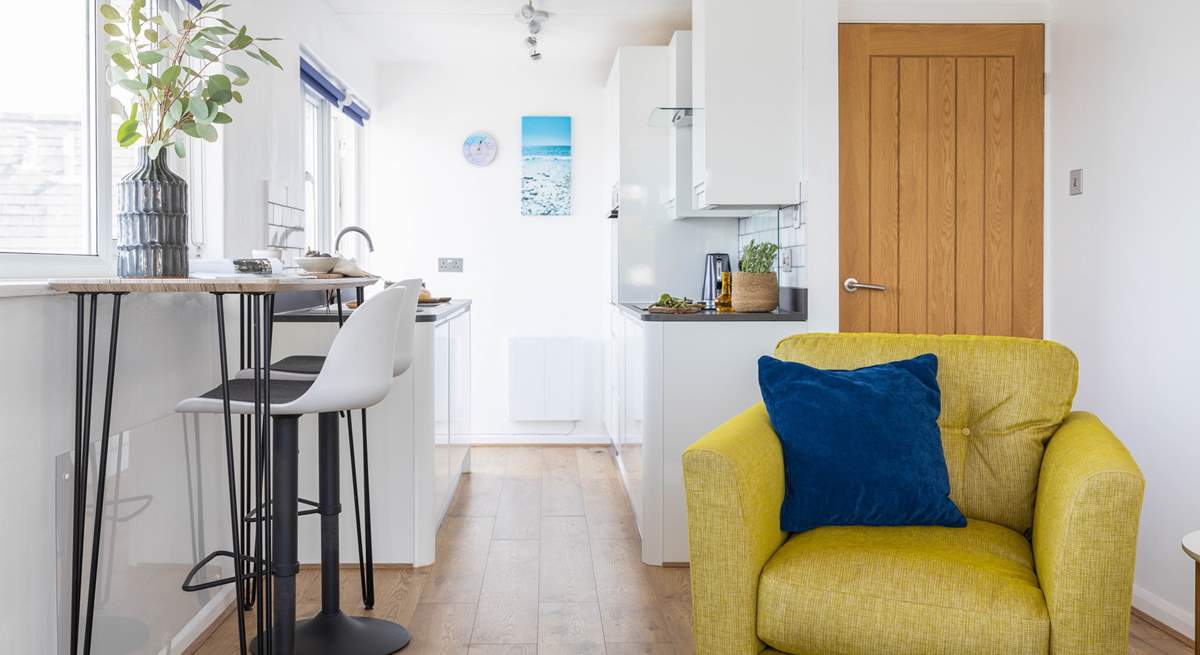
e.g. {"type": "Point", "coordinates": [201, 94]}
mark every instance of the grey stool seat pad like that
{"type": "Point", "coordinates": [304, 364]}
{"type": "Point", "coordinates": [282, 391]}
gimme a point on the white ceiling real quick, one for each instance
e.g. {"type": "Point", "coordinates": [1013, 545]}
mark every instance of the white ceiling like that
{"type": "Point", "coordinates": [579, 31]}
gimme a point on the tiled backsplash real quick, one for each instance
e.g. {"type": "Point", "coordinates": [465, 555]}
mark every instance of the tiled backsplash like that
{"type": "Point", "coordinates": [780, 226]}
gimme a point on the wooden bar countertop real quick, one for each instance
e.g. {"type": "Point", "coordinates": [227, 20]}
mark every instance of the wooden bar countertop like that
{"type": "Point", "coordinates": [229, 284]}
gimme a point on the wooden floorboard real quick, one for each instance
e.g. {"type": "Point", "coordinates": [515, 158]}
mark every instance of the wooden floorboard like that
{"type": "Point", "coordinates": [538, 555]}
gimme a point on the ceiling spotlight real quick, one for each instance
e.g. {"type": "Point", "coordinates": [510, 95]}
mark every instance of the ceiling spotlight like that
{"type": "Point", "coordinates": [527, 13]}
{"type": "Point", "coordinates": [534, 27]}
{"type": "Point", "coordinates": [531, 41]}
{"type": "Point", "coordinates": [535, 56]}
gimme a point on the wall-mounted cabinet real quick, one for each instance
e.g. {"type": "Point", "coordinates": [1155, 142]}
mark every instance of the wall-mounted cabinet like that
{"type": "Point", "coordinates": [683, 201]}
{"type": "Point", "coordinates": [650, 253]}
{"type": "Point", "coordinates": [747, 123]}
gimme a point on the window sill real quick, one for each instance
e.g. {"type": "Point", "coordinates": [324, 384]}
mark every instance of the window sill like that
{"type": "Point", "coordinates": [24, 288]}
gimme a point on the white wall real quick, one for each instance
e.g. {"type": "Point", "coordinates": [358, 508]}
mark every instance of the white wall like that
{"type": "Point", "coordinates": [1122, 258]}
{"type": "Point", "coordinates": [527, 276]}
{"type": "Point", "coordinates": [264, 140]}
{"type": "Point", "coordinates": [168, 492]}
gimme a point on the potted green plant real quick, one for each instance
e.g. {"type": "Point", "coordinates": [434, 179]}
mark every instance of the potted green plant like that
{"type": "Point", "coordinates": [180, 82]}
{"type": "Point", "coordinates": [755, 285]}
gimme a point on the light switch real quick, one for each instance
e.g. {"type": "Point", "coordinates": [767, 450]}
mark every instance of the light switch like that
{"type": "Point", "coordinates": [1077, 182]}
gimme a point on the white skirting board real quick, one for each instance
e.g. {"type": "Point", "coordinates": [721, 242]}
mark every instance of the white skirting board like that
{"type": "Point", "coordinates": [1178, 618]}
{"type": "Point", "coordinates": [545, 378]}
{"type": "Point", "coordinates": [530, 439]}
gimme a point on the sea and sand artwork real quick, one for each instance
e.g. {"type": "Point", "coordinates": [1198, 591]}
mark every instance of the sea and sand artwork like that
{"type": "Point", "coordinates": [545, 165]}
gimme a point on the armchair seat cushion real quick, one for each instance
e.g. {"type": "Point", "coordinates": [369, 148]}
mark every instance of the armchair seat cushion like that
{"type": "Point", "coordinates": [903, 590]}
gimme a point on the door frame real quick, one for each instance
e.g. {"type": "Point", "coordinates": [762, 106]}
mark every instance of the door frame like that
{"type": "Point", "coordinates": [1032, 319]}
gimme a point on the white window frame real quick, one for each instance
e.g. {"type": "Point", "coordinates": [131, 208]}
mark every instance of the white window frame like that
{"type": "Point", "coordinates": [322, 240]}
{"type": "Point", "coordinates": [360, 142]}
{"type": "Point", "coordinates": [97, 191]}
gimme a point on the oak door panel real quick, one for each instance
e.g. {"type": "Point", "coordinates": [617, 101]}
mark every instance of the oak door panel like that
{"type": "Point", "coordinates": [941, 177]}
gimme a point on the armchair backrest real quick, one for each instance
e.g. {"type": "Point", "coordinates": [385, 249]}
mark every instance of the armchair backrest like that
{"type": "Point", "coordinates": [1002, 399]}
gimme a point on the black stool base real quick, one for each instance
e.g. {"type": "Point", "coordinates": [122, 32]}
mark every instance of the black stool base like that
{"type": "Point", "coordinates": [339, 634]}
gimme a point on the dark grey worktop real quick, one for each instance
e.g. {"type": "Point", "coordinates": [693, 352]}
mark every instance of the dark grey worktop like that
{"type": "Point", "coordinates": [425, 314]}
{"type": "Point", "coordinates": [638, 310]}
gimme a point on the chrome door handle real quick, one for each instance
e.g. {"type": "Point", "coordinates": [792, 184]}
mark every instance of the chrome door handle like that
{"type": "Point", "coordinates": [851, 285]}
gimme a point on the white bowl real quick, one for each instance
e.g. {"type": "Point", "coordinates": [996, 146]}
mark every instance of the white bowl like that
{"type": "Point", "coordinates": [317, 264]}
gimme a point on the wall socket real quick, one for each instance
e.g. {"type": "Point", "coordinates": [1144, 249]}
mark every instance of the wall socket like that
{"type": "Point", "coordinates": [785, 260]}
{"type": "Point", "coordinates": [450, 264]}
{"type": "Point", "coordinates": [1077, 182]}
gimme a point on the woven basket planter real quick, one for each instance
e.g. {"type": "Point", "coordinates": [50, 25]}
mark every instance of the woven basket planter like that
{"type": "Point", "coordinates": [755, 292]}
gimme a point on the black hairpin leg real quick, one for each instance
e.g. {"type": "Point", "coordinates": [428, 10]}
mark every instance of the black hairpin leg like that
{"type": "Point", "coordinates": [84, 379]}
{"type": "Point", "coordinates": [366, 560]}
{"type": "Point", "coordinates": [235, 516]}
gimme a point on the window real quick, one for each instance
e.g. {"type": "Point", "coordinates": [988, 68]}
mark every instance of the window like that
{"type": "Point", "coordinates": [333, 142]}
{"type": "Point", "coordinates": [48, 141]}
{"type": "Point", "coordinates": [58, 161]}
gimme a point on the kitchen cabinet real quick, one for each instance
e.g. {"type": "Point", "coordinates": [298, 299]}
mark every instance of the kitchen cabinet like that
{"type": "Point", "coordinates": [747, 126]}
{"type": "Point", "coordinates": [683, 200]}
{"type": "Point", "coordinates": [650, 254]}
{"type": "Point", "coordinates": [419, 434]}
{"type": "Point", "coordinates": [675, 381]}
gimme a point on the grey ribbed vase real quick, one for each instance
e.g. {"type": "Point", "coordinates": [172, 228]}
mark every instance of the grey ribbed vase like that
{"type": "Point", "coordinates": [152, 204]}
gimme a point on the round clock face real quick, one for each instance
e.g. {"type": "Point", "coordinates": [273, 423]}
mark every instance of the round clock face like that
{"type": "Point", "coordinates": [479, 149]}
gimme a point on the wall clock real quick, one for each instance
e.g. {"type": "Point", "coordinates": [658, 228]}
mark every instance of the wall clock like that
{"type": "Point", "coordinates": [479, 149]}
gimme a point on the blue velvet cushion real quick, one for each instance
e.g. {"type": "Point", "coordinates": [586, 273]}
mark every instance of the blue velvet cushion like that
{"type": "Point", "coordinates": [860, 447]}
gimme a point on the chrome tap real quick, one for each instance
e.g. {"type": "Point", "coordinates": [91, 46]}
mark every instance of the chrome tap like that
{"type": "Point", "coordinates": [353, 228]}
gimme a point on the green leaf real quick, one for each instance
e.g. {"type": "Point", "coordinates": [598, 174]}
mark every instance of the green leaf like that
{"type": "Point", "coordinates": [109, 12]}
{"type": "Point", "coordinates": [180, 149]}
{"type": "Point", "coordinates": [237, 96]}
{"type": "Point", "coordinates": [155, 148]}
{"type": "Point", "coordinates": [190, 128]}
{"type": "Point", "coordinates": [218, 81]}
{"type": "Point", "coordinates": [116, 46]}
{"type": "Point", "coordinates": [130, 140]}
{"type": "Point", "coordinates": [207, 132]}
{"type": "Point", "coordinates": [198, 108]}
{"type": "Point", "coordinates": [175, 112]}
{"type": "Point", "coordinates": [197, 51]}
{"type": "Point", "coordinates": [122, 61]}
{"type": "Point", "coordinates": [133, 112]}
{"type": "Point", "coordinates": [240, 41]}
{"type": "Point", "coordinates": [240, 76]}
{"type": "Point", "coordinates": [220, 96]}
{"type": "Point", "coordinates": [126, 129]}
{"type": "Point", "coordinates": [271, 60]}
{"type": "Point", "coordinates": [133, 85]}
{"type": "Point", "coordinates": [222, 118]}
{"type": "Point", "coordinates": [150, 57]}
{"type": "Point", "coordinates": [151, 34]}
{"type": "Point", "coordinates": [169, 76]}
{"type": "Point", "coordinates": [116, 108]}
{"type": "Point", "coordinates": [113, 30]}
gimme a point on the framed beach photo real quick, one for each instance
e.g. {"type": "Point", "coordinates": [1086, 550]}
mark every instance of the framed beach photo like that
{"type": "Point", "coordinates": [545, 165]}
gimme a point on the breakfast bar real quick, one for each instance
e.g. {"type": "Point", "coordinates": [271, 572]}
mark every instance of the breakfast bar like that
{"type": "Point", "coordinates": [256, 309]}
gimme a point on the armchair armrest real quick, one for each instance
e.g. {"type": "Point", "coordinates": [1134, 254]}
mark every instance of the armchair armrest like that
{"type": "Point", "coordinates": [735, 483]}
{"type": "Point", "coordinates": [1084, 536]}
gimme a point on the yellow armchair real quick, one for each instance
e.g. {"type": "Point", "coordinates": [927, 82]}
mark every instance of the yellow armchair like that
{"type": "Point", "coordinates": [986, 588]}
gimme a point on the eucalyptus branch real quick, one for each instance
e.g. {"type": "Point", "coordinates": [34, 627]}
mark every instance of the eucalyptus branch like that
{"type": "Point", "coordinates": [167, 68]}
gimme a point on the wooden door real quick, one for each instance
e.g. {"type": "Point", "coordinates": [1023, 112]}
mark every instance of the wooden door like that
{"type": "Point", "coordinates": [941, 178]}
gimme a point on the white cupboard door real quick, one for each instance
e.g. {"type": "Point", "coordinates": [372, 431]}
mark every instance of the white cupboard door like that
{"type": "Point", "coordinates": [459, 370]}
{"type": "Point", "coordinates": [441, 417]}
{"type": "Point", "coordinates": [631, 452]}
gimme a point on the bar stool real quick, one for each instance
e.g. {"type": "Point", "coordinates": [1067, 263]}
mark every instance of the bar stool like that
{"type": "Point", "coordinates": [353, 376]}
{"type": "Point", "coordinates": [305, 368]}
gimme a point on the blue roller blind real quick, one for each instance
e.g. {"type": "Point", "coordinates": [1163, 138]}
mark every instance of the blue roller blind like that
{"type": "Point", "coordinates": [317, 81]}
{"type": "Point", "coordinates": [195, 3]}
{"type": "Point", "coordinates": [356, 112]}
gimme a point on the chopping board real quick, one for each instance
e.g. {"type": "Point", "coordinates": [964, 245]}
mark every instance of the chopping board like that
{"type": "Point", "coordinates": [323, 276]}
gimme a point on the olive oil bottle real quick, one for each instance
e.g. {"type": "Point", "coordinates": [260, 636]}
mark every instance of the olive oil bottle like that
{"type": "Point", "coordinates": [724, 301]}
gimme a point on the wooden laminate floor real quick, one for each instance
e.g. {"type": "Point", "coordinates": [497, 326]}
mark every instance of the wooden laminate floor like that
{"type": "Point", "coordinates": [539, 555]}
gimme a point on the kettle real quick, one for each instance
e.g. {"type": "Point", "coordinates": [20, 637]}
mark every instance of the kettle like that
{"type": "Point", "coordinates": [715, 263]}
